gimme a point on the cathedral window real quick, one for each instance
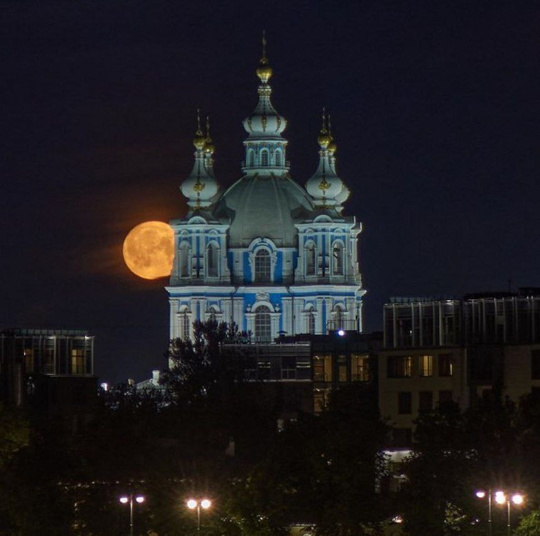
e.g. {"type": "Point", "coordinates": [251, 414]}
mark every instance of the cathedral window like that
{"type": "Point", "coordinates": [184, 324]}
{"type": "Point", "coordinates": [310, 321]}
{"type": "Point", "coordinates": [263, 326]}
{"type": "Point", "coordinates": [264, 158]}
{"type": "Point", "coordinates": [337, 258]}
{"type": "Point", "coordinates": [212, 260]}
{"type": "Point", "coordinates": [183, 266]}
{"type": "Point", "coordinates": [311, 257]}
{"type": "Point", "coordinates": [277, 157]}
{"type": "Point", "coordinates": [338, 318]}
{"type": "Point", "coordinates": [262, 266]}
{"type": "Point", "coordinates": [250, 157]}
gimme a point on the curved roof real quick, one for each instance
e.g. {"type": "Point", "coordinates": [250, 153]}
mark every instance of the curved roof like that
{"type": "Point", "coordinates": [263, 206]}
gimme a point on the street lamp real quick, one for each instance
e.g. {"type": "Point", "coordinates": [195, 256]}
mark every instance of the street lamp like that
{"type": "Point", "coordinates": [193, 504]}
{"type": "Point", "coordinates": [481, 494]}
{"type": "Point", "coordinates": [125, 499]}
{"type": "Point", "coordinates": [501, 497]}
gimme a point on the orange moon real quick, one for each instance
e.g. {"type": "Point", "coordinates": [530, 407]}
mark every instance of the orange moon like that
{"type": "Point", "coordinates": [149, 250]}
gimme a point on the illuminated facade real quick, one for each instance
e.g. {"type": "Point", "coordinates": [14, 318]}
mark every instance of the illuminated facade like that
{"type": "Point", "coordinates": [438, 351]}
{"type": "Point", "coordinates": [267, 254]}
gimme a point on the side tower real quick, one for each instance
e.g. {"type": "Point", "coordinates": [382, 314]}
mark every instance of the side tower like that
{"type": "Point", "coordinates": [199, 284]}
{"type": "Point", "coordinates": [266, 254]}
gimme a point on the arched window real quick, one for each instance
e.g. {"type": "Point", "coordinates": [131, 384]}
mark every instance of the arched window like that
{"type": "Point", "coordinates": [311, 256]}
{"type": "Point", "coordinates": [212, 260]}
{"type": "Point", "coordinates": [184, 324]}
{"type": "Point", "coordinates": [262, 266]}
{"type": "Point", "coordinates": [183, 266]}
{"type": "Point", "coordinates": [277, 156]}
{"type": "Point", "coordinates": [337, 259]}
{"type": "Point", "coordinates": [250, 157]}
{"type": "Point", "coordinates": [212, 316]}
{"type": "Point", "coordinates": [263, 326]}
{"type": "Point", "coordinates": [310, 321]}
{"type": "Point", "coordinates": [264, 158]}
{"type": "Point", "coordinates": [338, 317]}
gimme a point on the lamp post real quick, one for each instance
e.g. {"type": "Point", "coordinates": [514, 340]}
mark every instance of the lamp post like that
{"type": "Point", "coordinates": [481, 494]}
{"type": "Point", "coordinates": [125, 499]}
{"type": "Point", "coordinates": [197, 504]}
{"type": "Point", "coordinates": [501, 497]}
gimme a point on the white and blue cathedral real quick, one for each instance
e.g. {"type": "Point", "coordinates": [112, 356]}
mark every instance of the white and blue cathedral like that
{"type": "Point", "coordinates": [267, 254]}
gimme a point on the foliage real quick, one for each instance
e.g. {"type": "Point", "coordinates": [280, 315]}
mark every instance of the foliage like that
{"type": "Point", "coordinates": [15, 432]}
{"type": "Point", "coordinates": [529, 525]}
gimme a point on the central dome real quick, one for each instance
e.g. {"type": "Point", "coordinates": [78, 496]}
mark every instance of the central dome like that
{"type": "Point", "coordinates": [263, 206]}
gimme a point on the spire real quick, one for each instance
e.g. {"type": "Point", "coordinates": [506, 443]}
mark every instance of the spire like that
{"type": "Point", "coordinates": [264, 71]}
{"type": "Point", "coordinates": [325, 187]}
{"type": "Point", "coordinates": [200, 187]}
{"type": "Point", "coordinates": [265, 147]}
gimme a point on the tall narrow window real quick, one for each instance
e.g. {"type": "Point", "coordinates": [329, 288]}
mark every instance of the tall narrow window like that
{"type": "Point", "coordinates": [277, 156]}
{"type": "Point", "coordinates": [262, 266]}
{"type": "Point", "coordinates": [311, 256]}
{"type": "Point", "coordinates": [310, 320]}
{"type": "Point", "coordinates": [338, 318]}
{"type": "Point", "coordinates": [78, 361]}
{"type": "Point", "coordinates": [264, 158]}
{"type": "Point", "coordinates": [263, 328]}
{"type": "Point", "coordinates": [211, 260]}
{"type": "Point", "coordinates": [250, 157]}
{"type": "Point", "coordinates": [184, 260]}
{"type": "Point", "coordinates": [337, 258]}
{"type": "Point", "coordinates": [184, 325]}
{"type": "Point", "coordinates": [425, 367]}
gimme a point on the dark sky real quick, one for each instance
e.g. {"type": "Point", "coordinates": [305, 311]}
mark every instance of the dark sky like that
{"type": "Point", "coordinates": [435, 110]}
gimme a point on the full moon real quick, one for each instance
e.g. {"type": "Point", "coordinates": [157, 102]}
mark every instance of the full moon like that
{"type": "Point", "coordinates": [149, 250]}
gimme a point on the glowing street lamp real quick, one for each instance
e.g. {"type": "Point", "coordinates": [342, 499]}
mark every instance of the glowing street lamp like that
{"type": "Point", "coordinates": [501, 497]}
{"type": "Point", "coordinates": [125, 499]}
{"type": "Point", "coordinates": [197, 504]}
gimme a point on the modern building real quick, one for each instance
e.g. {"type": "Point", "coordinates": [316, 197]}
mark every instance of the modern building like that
{"type": "Point", "coordinates": [439, 350]}
{"type": "Point", "coordinates": [268, 254]}
{"type": "Point", "coordinates": [53, 370]}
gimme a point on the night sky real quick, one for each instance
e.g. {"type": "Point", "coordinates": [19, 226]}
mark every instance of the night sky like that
{"type": "Point", "coordinates": [435, 110]}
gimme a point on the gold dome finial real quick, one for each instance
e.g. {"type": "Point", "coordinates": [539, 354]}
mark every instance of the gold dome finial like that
{"type": "Point", "coordinates": [264, 71]}
{"type": "Point", "coordinates": [199, 139]}
{"type": "Point", "coordinates": [324, 139]}
{"type": "Point", "coordinates": [331, 146]}
{"type": "Point", "coordinates": [208, 146]}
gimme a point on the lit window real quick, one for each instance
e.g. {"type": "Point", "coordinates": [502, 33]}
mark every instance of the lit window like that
{"type": "Point", "coordinates": [77, 361]}
{"type": "Point", "coordinates": [426, 365]}
{"type": "Point", "coordinates": [359, 368]}
{"type": "Point", "coordinates": [342, 368]}
{"type": "Point", "coordinates": [262, 266]}
{"type": "Point", "coordinates": [399, 366]}
{"type": "Point", "coordinates": [29, 360]}
{"type": "Point", "coordinates": [322, 368]}
{"type": "Point", "coordinates": [263, 326]}
{"type": "Point", "coordinates": [446, 365]}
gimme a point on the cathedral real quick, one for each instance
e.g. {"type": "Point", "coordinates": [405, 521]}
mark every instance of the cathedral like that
{"type": "Point", "coordinates": [266, 253]}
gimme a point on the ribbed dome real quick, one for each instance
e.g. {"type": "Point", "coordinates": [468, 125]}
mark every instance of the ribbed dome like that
{"type": "Point", "coordinates": [263, 206]}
